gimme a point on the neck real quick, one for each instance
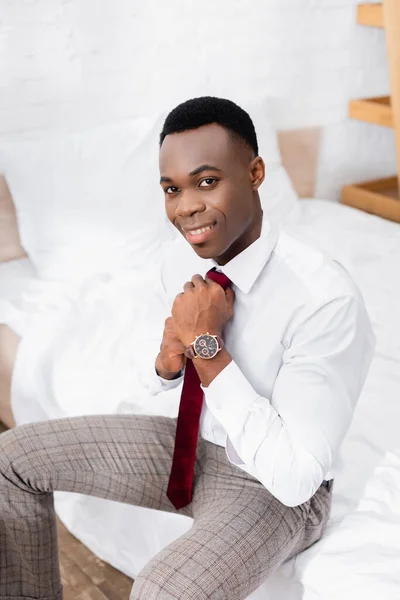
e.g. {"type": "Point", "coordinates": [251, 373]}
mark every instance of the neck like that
{"type": "Point", "coordinates": [244, 241]}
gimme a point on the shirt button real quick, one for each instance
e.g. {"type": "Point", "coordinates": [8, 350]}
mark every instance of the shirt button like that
{"type": "Point", "coordinates": [218, 406]}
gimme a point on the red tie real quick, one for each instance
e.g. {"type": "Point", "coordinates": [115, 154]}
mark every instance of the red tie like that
{"type": "Point", "coordinates": [187, 429]}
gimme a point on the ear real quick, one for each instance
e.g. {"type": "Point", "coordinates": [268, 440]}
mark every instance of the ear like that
{"type": "Point", "coordinates": [257, 172]}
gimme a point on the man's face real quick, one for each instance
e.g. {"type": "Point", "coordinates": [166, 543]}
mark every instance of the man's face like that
{"type": "Point", "coordinates": [209, 180]}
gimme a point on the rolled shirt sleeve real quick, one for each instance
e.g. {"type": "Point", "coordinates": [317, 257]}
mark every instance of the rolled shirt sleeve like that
{"type": "Point", "coordinates": [288, 441]}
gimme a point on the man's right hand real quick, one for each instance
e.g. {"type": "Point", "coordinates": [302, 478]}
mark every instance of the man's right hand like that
{"type": "Point", "coordinates": [171, 358]}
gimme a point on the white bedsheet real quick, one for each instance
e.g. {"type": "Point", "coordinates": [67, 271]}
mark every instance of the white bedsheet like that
{"type": "Point", "coordinates": [76, 357]}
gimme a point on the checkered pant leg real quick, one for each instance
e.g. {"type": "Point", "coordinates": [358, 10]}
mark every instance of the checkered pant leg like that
{"type": "Point", "coordinates": [124, 458]}
{"type": "Point", "coordinates": [240, 534]}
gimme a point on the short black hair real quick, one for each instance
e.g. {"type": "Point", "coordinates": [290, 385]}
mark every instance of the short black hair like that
{"type": "Point", "coordinates": [208, 109]}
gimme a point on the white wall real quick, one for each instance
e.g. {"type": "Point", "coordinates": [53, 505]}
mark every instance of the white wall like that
{"type": "Point", "coordinates": [72, 63]}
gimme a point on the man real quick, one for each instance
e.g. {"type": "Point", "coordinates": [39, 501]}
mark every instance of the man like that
{"type": "Point", "coordinates": [277, 338]}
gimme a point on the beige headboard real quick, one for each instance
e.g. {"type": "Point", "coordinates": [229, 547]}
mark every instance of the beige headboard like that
{"type": "Point", "coordinates": [299, 151]}
{"type": "Point", "coordinates": [10, 246]}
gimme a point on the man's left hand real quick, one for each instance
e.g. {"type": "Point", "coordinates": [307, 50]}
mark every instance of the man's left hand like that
{"type": "Point", "coordinates": [202, 306]}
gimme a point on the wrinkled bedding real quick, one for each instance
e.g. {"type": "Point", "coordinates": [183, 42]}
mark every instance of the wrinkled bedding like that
{"type": "Point", "coordinates": [77, 356]}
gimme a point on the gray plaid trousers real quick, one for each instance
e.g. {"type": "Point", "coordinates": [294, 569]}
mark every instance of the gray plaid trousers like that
{"type": "Point", "coordinates": [240, 532]}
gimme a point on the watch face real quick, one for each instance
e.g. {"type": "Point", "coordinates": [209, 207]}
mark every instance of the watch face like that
{"type": "Point", "coordinates": [206, 346]}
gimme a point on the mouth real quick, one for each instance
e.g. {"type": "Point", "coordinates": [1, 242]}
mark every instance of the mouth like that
{"type": "Point", "coordinates": [198, 236]}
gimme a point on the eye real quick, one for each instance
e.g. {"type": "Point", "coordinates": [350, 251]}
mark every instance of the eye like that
{"type": "Point", "coordinates": [208, 182]}
{"type": "Point", "coordinates": [171, 189]}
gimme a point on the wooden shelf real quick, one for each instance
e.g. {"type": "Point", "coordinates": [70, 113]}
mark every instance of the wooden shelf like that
{"type": "Point", "coordinates": [380, 197]}
{"type": "Point", "coordinates": [370, 14]}
{"type": "Point", "coordinates": [373, 110]}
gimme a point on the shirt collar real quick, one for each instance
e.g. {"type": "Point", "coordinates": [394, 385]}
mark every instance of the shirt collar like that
{"type": "Point", "coordinates": [244, 269]}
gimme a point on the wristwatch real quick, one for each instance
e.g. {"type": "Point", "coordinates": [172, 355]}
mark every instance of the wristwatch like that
{"type": "Point", "coordinates": [205, 346]}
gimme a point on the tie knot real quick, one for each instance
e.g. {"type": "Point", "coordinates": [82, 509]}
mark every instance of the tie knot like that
{"type": "Point", "coordinates": [218, 277]}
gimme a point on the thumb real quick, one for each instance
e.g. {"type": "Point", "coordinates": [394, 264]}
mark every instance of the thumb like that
{"type": "Point", "coordinates": [229, 295]}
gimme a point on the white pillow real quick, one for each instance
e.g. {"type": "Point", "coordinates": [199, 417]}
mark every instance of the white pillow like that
{"type": "Point", "coordinates": [278, 197]}
{"type": "Point", "coordinates": [89, 201]}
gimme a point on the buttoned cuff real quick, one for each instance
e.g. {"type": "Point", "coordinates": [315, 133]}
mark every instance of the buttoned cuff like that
{"type": "Point", "coordinates": [156, 384]}
{"type": "Point", "coordinates": [230, 396]}
{"type": "Point", "coordinates": [232, 400]}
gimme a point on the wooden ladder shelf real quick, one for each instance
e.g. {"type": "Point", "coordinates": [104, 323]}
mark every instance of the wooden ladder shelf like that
{"type": "Point", "coordinates": [380, 197]}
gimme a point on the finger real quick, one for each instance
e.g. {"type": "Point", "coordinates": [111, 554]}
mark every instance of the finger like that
{"type": "Point", "coordinates": [169, 326]}
{"type": "Point", "coordinates": [188, 286]}
{"type": "Point", "coordinates": [170, 332]}
{"type": "Point", "coordinates": [210, 281]}
{"type": "Point", "coordinates": [177, 345]}
{"type": "Point", "coordinates": [229, 294]}
{"type": "Point", "coordinates": [174, 329]}
{"type": "Point", "coordinates": [197, 280]}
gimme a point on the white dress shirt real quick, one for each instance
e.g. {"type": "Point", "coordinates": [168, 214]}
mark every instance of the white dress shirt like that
{"type": "Point", "coordinates": [301, 344]}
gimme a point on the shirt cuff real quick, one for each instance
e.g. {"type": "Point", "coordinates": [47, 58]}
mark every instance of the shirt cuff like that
{"type": "Point", "coordinates": [232, 400]}
{"type": "Point", "coordinates": [156, 384]}
{"type": "Point", "coordinates": [231, 453]}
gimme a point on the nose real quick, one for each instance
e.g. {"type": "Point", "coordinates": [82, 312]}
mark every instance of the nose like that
{"type": "Point", "coordinates": [189, 204]}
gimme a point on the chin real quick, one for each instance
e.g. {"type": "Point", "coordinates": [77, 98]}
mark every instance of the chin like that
{"type": "Point", "coordinates": [204, 251]}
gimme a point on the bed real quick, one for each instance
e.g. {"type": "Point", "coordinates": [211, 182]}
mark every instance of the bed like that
{"type": "Point", "coordinates": [359, 555]}
{"type": "Point", "coordinates": [77, 353]}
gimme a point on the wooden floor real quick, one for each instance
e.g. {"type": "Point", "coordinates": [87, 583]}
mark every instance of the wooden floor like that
{"type": "Point", "coordinates": [84, 576]}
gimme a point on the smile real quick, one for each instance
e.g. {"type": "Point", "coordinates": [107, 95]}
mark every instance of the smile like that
{"type": "Point", "coordinates": [198, 236]}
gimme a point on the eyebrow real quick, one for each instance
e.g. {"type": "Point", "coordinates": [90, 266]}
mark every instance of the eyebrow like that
{"type": "Point", "coordinates": [203, 168]}
{"type": "Point", "coordinates": [196, 171]}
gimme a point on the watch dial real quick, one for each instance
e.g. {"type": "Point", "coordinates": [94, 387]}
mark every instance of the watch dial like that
{"type": "Point", "coordinates": [206, 346]}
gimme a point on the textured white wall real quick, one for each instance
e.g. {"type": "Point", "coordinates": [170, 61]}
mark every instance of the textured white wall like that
{"type": "Point", "coordinates": [72, 63]}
